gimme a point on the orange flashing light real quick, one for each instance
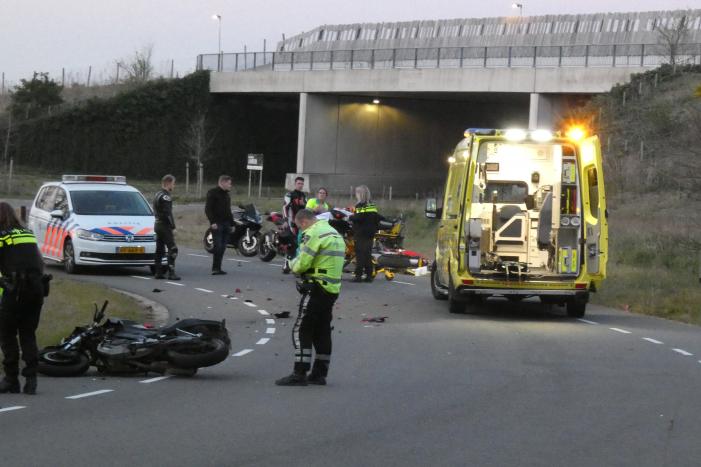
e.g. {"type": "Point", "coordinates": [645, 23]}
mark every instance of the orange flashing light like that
{"type": "Point", "coordinates": [576, 133]}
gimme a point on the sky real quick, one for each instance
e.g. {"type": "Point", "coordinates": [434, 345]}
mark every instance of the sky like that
{"type": "Point", "coordinates": [49, 35]}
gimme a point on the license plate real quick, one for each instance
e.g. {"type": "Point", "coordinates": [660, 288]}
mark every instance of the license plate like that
{"type": "Point", "coordinates": [130, 249]}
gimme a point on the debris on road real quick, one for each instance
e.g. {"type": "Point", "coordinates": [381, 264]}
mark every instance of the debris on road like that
{"type": "Point", "coordinates": [157, 290]}
{"type": "Point", "coordinates": [378, 319]}
{"type": "Point", "coordinates": [282, 314]}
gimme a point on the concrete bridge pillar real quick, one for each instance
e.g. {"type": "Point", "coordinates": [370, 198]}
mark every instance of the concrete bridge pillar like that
{"type": "Point", "coordinates": [545, 111]}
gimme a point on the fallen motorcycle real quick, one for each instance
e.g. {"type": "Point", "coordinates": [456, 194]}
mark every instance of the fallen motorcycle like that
{"type": "Point", "coordinates": [123, 346]}
{"type": "Point", "coordinates": [244, 234]}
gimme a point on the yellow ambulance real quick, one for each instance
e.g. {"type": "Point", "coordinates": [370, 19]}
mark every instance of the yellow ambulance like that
{"type": "Point", "coordinates": [523, 215]}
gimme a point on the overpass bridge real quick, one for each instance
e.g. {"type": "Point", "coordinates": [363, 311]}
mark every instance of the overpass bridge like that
{"type": "Point", "coordinates": [431, 79]}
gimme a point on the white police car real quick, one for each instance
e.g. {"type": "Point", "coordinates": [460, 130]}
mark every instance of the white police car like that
{"type": "Point", "coordinates": [93, 220]}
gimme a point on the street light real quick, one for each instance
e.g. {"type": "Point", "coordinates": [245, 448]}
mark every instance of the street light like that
{"type": "Point", "coordinates": [519, 6]}
{"type": "Point", "coordinates": [218, 18]}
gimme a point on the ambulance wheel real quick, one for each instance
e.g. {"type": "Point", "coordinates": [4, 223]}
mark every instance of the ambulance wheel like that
{"type": "Point", "coordinates": [69, 258]}
{"type": "Point", "coordinates": [436, 290]}
{"type": "Point", "coordinates": [576, 307]}
{"type": "Point", "coordinates": [454, 305]}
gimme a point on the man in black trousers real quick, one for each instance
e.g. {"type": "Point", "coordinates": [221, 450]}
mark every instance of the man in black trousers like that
{"type": "Point", "coordinates": [164, 228]}
{"type": "Point", "coordinates": [218, 211]}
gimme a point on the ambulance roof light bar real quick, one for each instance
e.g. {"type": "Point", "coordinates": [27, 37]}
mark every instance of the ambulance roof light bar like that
{"type": "Point", "coordinates": [94, 179]}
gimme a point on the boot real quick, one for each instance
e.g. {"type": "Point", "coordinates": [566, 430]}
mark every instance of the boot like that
{"type": "Point", "coordinates": [158, 272]}
{"type": "Point", "coordinates": [30, 385]}
{"type": "Point", "coordinates": [9, 384]}
{"type": "Point", "coordinates": [286, 268]}
{"type": "Point", "coordinates": [316, 379]}
{"type": "Point", "coordinates": [171, 274]}
{"type": "Point", "coordinates": [294, 379]}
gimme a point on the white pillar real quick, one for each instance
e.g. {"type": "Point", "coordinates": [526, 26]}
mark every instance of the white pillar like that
{"type": "Point", "coordinates": [302, 130]}
{"type": "Point", "coordinates": [533, 111]}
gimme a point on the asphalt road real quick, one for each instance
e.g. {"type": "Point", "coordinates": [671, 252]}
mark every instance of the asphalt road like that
{"type": "Point", "coordinates": [513, 384]}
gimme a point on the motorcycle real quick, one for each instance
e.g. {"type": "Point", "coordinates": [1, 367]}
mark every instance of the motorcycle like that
{"type": "Point", "coordinates": [280, 240]}
{"type": "Point", "coordinates": [245, 233]}
{"type": "Point", "coordinates": [123, 346]}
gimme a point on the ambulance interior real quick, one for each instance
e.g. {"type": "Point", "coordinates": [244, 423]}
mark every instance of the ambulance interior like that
{"type": "Point", "coordinates": [525, 217]}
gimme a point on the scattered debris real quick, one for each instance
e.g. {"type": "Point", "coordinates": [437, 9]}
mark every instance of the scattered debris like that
{"type": "Point", "coordinates": [249, 301]}
{"type": "Point", "coordinates": [378, 319]}
{"type": "Point", "coordinates": [282, 314]}
{"type": "Point", "coordinates": [157, 290]}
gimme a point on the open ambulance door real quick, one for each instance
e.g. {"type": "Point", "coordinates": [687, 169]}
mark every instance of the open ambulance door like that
{"type": "Point", "coordinates": [594, 209]}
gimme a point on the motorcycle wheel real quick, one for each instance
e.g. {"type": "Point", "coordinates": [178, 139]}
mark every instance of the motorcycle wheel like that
{"type": "Point", "coordinates": [214, 351]}
{"type": "Point", "coordinates": [208, 241]}
{"type": "Point", "coordinates": [56, 362]}
{"type": "Point", "coordinates": [265, 252]}
{"type": "Point", "coordinates": [248, 247]}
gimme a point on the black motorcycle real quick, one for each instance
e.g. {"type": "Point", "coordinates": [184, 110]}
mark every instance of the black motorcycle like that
{"type": "Point", "coordinates": [123, 346]}
{"type": "Point", "coordinates": [280, 240]}
{"type": "Point", "coordinates": [245, 233]}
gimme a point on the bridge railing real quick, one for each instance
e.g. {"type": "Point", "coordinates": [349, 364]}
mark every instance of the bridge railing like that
{"type": "Point", "coordinates": [615, 55]}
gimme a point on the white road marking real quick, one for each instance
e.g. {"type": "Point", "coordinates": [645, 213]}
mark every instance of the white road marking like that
{"type": "Point", "coordinates": [90, 394]}
{"type": "Point", "coordinates": [224, 295]}
{"type": "Point", "coordinates": [143, 277]}
{"type": "Point", "coordinates": [242, 353]}
{"type": "Point", "coordinates": [587, 321]}
{"type": "Point", "coordinates": [239, 260]}
{"type": "Point", "coordinates": [234, 298]}
{"type": "Point", "coordinates": [251, 304]}
{"type": "Point", "coordinates": [270, 331]}
{"type": "Point", "coordinates": [264, 340]}
{"type": "Point", "coordinates": [622, 331]}
{"type": "Point", "coordinates": [153, 380]}
{"type": "Point", "coordinates": [276, 265]}
{"type": "Point", "coordinates": [14, 407]}
{"type": "Point", "coordinates": [203, 290]}
{"type": "Point", "coordinates": [269, 321]}
{"type": "Point", "coordinates": [176, 283]}
{"type": "Point", "coordinates": [405, 283]}
{"type": "Point", "coordinates": [199, 256]}
{"type": "Point", "coordinates": [263, 312]}
{"type": "Point", "coordinates": [683, 352]}
{"type": "Point", "coordinates": [654, 341]}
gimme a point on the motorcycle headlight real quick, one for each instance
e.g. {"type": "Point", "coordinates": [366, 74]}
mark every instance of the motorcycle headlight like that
{"type": "Point", "coordinates": [88, 235]}
{"type": "Point", "coordinates": [575, 221]}
{"type": "Point", "coordinates": [565, 221]}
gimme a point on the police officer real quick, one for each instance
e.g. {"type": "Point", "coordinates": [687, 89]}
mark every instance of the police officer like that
{"type": "Point", "coordinates": [23, 290]}
{"type": "Point", "coordinates": [294, 202]}
{"type": "Point", "coordinates": [366, 221]}
{"type": "Point", "coordinates": [164, 227]}
{"type": "Point", "coordinates": [320, 262]}
{"type": "Point", "coordinates": [218, 211]}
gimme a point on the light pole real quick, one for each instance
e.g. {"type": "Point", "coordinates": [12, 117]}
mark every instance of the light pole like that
{"type": "Point", "coordinates": [218, 18]}
{"type": "Point", "coordinates": [519, 6]}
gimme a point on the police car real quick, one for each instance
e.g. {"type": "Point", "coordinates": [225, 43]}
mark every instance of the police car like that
{"type": "Point", "coordinates": [87, 220]}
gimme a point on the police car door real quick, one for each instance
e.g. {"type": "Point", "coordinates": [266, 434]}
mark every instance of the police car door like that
{"type": "Point", "coordinates": [40, 216]}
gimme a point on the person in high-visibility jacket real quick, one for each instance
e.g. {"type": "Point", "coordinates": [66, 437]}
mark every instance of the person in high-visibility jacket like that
{"type": "Point", "coordinates": [320, 263]}
{"type": "Point", "coordinates": [24, 287]}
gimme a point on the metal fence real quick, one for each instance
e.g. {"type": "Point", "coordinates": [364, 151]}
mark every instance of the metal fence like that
{"type": "Point", "coordinates": [616, 55]}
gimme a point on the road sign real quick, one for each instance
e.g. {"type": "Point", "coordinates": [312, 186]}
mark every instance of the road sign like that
{"type": "Point", "coordinates": [255, 162]}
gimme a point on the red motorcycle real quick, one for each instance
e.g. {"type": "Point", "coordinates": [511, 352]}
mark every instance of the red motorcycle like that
{"type": "Point", "coordinates": [280, 240]}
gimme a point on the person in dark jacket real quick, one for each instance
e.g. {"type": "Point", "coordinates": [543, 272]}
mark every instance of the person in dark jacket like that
{"type": "Point", "coordinates": [366, 221]}
{"type": "Point", "coordinates": [294, 201]}
{"type": "Point", "coordinates": [218, 211]}
{"type": "Point", "coordinates": [23, 289]}
{"type": "Point", "coordinates": [164, 228]}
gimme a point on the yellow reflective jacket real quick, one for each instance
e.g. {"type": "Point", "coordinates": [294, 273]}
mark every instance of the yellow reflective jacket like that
{"type": "Point", "coordinates": [321, 256]}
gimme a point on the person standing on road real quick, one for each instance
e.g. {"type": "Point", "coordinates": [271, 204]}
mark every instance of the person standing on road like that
{"type": "Point", "coordinates": [366, 221]}
{"type": "Point", "coordinates": [294, 202]}
{"type": "Point", "coordinates": [319, 204]}
{"type": "Point", "coordinates": [165, 228]}
{"type": "Point", "coordinates": [218, 211]}
{"type": "Point", "coordinates": [24, 287]}
{"type": "Point", "coordinates": [320, 263]}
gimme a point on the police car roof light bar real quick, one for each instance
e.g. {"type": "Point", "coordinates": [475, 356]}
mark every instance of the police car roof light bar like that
{"type": "Point", "coordinates": [95, 179]}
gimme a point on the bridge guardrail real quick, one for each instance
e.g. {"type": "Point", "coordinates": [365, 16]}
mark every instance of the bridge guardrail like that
{"type": "Point", "coordinates": [614, 55]}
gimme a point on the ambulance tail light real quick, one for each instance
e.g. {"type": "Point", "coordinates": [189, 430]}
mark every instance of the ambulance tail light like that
{"type": "Point", "coordinates": [468, 282]}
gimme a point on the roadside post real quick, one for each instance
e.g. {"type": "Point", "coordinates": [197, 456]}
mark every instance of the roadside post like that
{"type": "Point", "coordinates": [255, 164]}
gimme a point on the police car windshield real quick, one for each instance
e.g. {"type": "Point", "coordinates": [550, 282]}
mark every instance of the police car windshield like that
{"type": "Point", "coordinates": [109, 203]}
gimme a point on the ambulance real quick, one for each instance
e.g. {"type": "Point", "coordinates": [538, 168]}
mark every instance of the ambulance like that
{"type": "Point", "coordinates": [93, 220]}
{"type": "Point", "coordinates": [523, 215]}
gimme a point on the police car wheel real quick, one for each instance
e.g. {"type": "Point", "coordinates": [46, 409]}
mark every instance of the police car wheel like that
{"type": "Point", "coordinates": [69, 258]}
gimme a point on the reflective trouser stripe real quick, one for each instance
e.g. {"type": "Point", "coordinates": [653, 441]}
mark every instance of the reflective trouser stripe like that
{"type": "Point", "coordinates": [323, 357]}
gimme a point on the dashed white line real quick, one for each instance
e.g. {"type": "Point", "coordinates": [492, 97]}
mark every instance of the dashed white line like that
{"type": "Point", "coordinates": [276, 265]}
{"type": "Point", "coordinates": [622, 331]}
{"type": "Point", "coordinates": [239, 260]}
{"type": "Point", "coordinates": [683, 352]}
{"type": "Point", "coordinates": [251, 304]}
{"type": "Point", "coordinates": [153, 380]}
{"type": "Point", "coordinates": [204, 290]}
{"type": "Point", "coordinates": [654, 341]}
{"type": "Point", "coordinates": [405, 283]}
{"type": "Point", "coordinates": [263, 312]}
{"type": "Point", "coordinates": [270, 331]}
{"type": "Point", "coordinates": [176, 283]}
{"type": "Point", "coordinates": [269, 321]}
{"type": "Point", "coordinates": [90, 394]}
{"type": "Point", "coordinates": [242, 353]}
{"type": "Point", "coordinates": [14, 407]}
{"type": "Point", "coordinates": [262, 341]}
{"type": "Point", "coordinates": [587, 321]}
{"type": "Point", "coordinates": [143, 277]}
{"type": "Point", "coordinates": [199, 256]}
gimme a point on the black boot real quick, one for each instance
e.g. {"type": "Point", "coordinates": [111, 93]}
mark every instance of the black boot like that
{"type": "Point", "coordinates": [294, 379]}
{"type": "Point", "coordinates": [9, 384]}
{"type": "Point", "coordinates": [286, 268]}
{"type": "Point", "coordinates": [158, 272]}
{"type": "Point", "coordinates": [171, 274]}
{"type": "Point", "coordinates": [316, 379]}
{"type": "Point", "coordinates": [30, 385]}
